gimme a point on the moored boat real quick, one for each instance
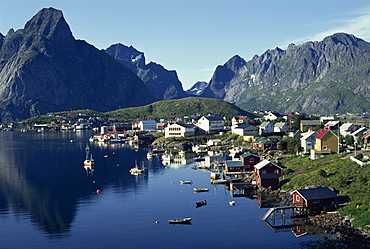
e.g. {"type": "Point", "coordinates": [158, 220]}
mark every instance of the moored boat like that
{"type": "Point", "coordinates": [167, 157]}
{"type": "Point", "coordinates": [180, 221]}
{"type": "Point", "coordinates": [201, 189]}
{"type": "Point", "coordinates": [186, 182]}
{"type": "Point", "coordinates": [200, 203]}
{"type": "Point", "coordinates": [157, 151]}
{"type": "Point", "coordinates": [89, 162]}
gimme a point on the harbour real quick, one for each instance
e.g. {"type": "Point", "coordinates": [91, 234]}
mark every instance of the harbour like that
{"type": "Point", "coordinates": [50, 199]}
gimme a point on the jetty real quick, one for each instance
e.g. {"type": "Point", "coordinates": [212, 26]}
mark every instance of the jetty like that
{"type": "Point", "coordinates": [283, 217]}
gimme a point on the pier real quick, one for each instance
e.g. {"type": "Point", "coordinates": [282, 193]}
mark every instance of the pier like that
{"type": "Point", "coordinates": [283, 217]}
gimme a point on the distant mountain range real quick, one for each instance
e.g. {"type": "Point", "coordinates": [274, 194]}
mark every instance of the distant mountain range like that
{"type": "Point", "coordinates": [43, 68]}
{"type": "Point", "coordinates": [330, 76]}
{"type": "Point", "coordinates": [162, 83]}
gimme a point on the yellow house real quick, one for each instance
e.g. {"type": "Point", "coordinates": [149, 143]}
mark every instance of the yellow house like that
{"type": "Point", "coordinates": [326, 143]}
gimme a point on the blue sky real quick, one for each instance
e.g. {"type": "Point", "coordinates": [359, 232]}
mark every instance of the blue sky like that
{"type": "Point", "coordinates": [194, 36]}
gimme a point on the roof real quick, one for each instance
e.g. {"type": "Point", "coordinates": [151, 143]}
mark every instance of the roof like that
{"type": "Point", "coordinates": [264, 163]}
{"type": "Point", "coordinates": [332, 123]}
{"type": "Point", "coordinates": [241, 117]}
{"type": "Point", "coordinates": [247, 154]}
{"type": "Point", "coordinates": [308, 134]}
{"type": "Point", "coordinates": [310, 122]}
{"type": "Point", "coordinates": [234, 164]}
{"type": "Point", "coordinates": [213, 118]}
{"type": "Point", "coordinates": [264, 124]}
{"type": "Point", "coordinates": [322, 133]}
{"type": "Point", "coordinates": [316, 193]}
{"type": "Point", "coordinates": [356, 132]}
{"type": "Point", "coordinates": [184, 125]}
{"type": "Point", "coordinates": [280, 124]}
{"type": "Point", "coordinates": [346, 126]}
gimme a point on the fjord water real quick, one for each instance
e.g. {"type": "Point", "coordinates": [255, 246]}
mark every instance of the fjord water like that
{"type": "Point", "coordinates": [48, 200]}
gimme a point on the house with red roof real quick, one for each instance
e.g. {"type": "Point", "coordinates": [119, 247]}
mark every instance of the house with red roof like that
{"type": "Point", "coordinates": [326, 142]}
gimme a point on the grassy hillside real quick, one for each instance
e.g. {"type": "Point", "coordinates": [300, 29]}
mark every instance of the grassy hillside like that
{"type": "Point", "coordinates": [186, 107]}
{"type": "Point", "coordinates": [333, 171]}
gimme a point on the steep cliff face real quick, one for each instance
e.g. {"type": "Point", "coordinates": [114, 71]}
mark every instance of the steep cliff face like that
{"type": "Point", "coordinates": [316, 77]}
{"type": "Point", "coordinates": [162, 83]}
{"type": "Point", "coordinates": [44, 69]}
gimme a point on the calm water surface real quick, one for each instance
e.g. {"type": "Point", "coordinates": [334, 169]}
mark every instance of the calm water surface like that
{"type": "Point", "coordinates": [48, 200]}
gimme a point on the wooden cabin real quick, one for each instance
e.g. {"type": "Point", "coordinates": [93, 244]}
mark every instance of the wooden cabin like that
{"type": "Point", "coordinates": [234, 166]}
{"type": "Point", "coordinates": [317, 199]}
{"type": "Point", "coordinates": [249, 160]}
{"type": "Point", "coordinates": [268, 174]}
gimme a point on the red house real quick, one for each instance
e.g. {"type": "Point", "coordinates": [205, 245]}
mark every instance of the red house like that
{"type": "Point", "coordinates": [235, 166]}
{"type": "Point", "coordinates": [268, 174]}
{"type": "Point", "coordinates": [315, 199]}
{"type": "Point", "coordinates": [249, 160]}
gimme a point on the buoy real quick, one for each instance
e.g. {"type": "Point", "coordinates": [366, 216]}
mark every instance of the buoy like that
{"type": "Point", "coordinates": [98, 191]}
{"type": "Point", "coordinates": [156, 221]}
{"type": "Point", "coordinates": [93, 181]}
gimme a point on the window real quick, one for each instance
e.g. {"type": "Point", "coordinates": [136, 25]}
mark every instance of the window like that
{"type": "Point", "coordinates": [251, 160]}
{"type": "Point", "coordinates": [276, 171]}
{"type": "Point", "coordinates": [297, 198]}
{"type": "Point", "coordinates": [263, 171]}
{"type": "Point", "coordinates": [325, 148]}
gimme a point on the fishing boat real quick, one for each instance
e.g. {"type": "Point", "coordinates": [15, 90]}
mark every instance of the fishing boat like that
{"type": "Point", "coordinates": [89, 162]}
{"type": "Point", "coordinates": [181, 153]}
{"type": "Point", "coordinates": [157, 151]}
{"type": "Point", "coordinates": [136, 169]}
{"type": "Point", "coordinates": [200, 203]}
{"type": "Point", "coordinates": [201, 189]}
{"type": "Point", "coordinates": [167, 157]}
{"type": "Point", "coordinates": [180, 221]}
{"type": "Point", "coordinates": [186, 182]}
{"type": "Point", "coordinates": [149, 155]}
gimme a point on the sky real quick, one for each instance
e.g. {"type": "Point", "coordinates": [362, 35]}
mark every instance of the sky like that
{"type": "Point", "coordinates": [193, 37]}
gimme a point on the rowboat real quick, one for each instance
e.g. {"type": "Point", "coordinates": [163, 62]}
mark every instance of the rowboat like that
{"type": "Point", "coordinates": [186, 182]}
{"type": "Point", "coordinates": [180, 221]}
{"type": "Point", "coordinates": [201, 190]}
{"type": "Point", "coordinates": [201, 203]}
{"type": "Point", "coordinates": [232, 203]}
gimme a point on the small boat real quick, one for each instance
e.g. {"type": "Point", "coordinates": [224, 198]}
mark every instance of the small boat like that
{"type": "Point", "coordinates": [199, 159]}
{"type": "Point", "coordinates": [167, 157]}
{"type": "Point", "coordinates": [219, 181]}
{"type": "Point", "coordinates": [232, 203]}
{"type": "Point", "coordinates": [200, 203]}
{"type": "Point", "coordinates": [89, 162]}
{"type": "Point", "coordinates": [201, 190]}
{"type": "Point", "coordinates": [181, 152]}
{"type": "Point", "coordinates": [157, 151]}
{"type": "Point", "coordinates": [149, 155]}
{"type": "Point", "coordinates": [136, 169]}
{"type": "Point", "coordinates": [186, 182]}
{"type": "Point", "coordinates": [180, 221]}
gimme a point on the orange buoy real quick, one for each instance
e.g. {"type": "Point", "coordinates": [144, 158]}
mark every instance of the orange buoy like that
{"type": "Point", "coordinates": [98, 191]}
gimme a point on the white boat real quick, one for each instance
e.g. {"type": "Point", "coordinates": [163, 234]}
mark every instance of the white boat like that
{"type": "Point", "coordinates": [186, 182]}
{"type": "Point", "coordinates": [201, 189]}
{"type": "Point", "coordinates": [232, 203]}
{"type": "Point", "coordinates": [88, 161]}
{"type": "Point", "coordinates": [167, 157]}
{"type": "Point", "coordinates": [181, 152]}
{"type": "Point", "coordinates": [149, 155]}
{"type": "Point", "coordinates": [136, 169]}
{"type": "Point", "coordinates": [180, 221]}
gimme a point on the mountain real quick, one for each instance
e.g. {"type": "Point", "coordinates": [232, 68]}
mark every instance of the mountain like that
{"type": "Point", "coordinates": [329, 76]}
{"type": "Point", "coordinates": [197, 88]}
{"type": "Point", "coordinates": [162, 83]}
{"type": "Point", "coordinates": [43, 68]}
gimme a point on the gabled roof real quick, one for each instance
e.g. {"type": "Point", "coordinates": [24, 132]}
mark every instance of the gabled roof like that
{"type": "Point", "coordinates": [184, 125]}
{"type": "Point", "coordinates": [280, 124]}
{"type": "Point", "coordinates": [356, 132]}
{"type": "Point", "coordinates": [308, 134]}
{"type": "Point", "coordinates": [264, 124]}
{"type": "Point", "coordinates": [213, 118]}
{"type": "Point", "coordinates": [264, 163]}
{"type": "Point", "coordinates": [247, 154]}
{"type": "Point", "coordinates": [235, 164]}
{"type": "Point", "coordinates": [332, 123]}
{"type": "Point", "coordinates": [345, 126]}
{"type": "Point", "coordinates": [321, 133]}
{"type": "Point", "coordinates": [316, 193]}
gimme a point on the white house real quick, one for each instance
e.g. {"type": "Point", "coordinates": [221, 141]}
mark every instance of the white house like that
{"type": "Point", "coordinates": [280, 127]}
{"type": "Point", "coordinates": [346, 129]}
{"type": "Point", "coordinates": [308, 140]}
{"type": "Point", "coordinates": [147, 125]}
{"type": "Point", "coordinates": [266, 127]}
{"type": "Point", "coordinates": [242, 129]}
{"type": "Point", "coordinates": [272, 116]}
{"type": "Point", "coordinates": [239, 120]}
{"type": "Point", "coordinates": [210, 124]}
{"type": "Point", "coordinates": [179, 129]}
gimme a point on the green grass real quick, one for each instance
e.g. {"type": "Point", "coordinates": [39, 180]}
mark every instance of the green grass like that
{"type": "Point", "coordinates": [333, 171]}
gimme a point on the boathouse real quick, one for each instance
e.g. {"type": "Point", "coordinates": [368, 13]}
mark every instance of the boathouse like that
{"type": "Point", "coordinates": [234, 166]}
{"type": "Point", "coordinates": [249, 160]}
{"type": "Point", "coordinates": [315, 199]}
{"type": "Point", "coordinates": [268, 174]}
